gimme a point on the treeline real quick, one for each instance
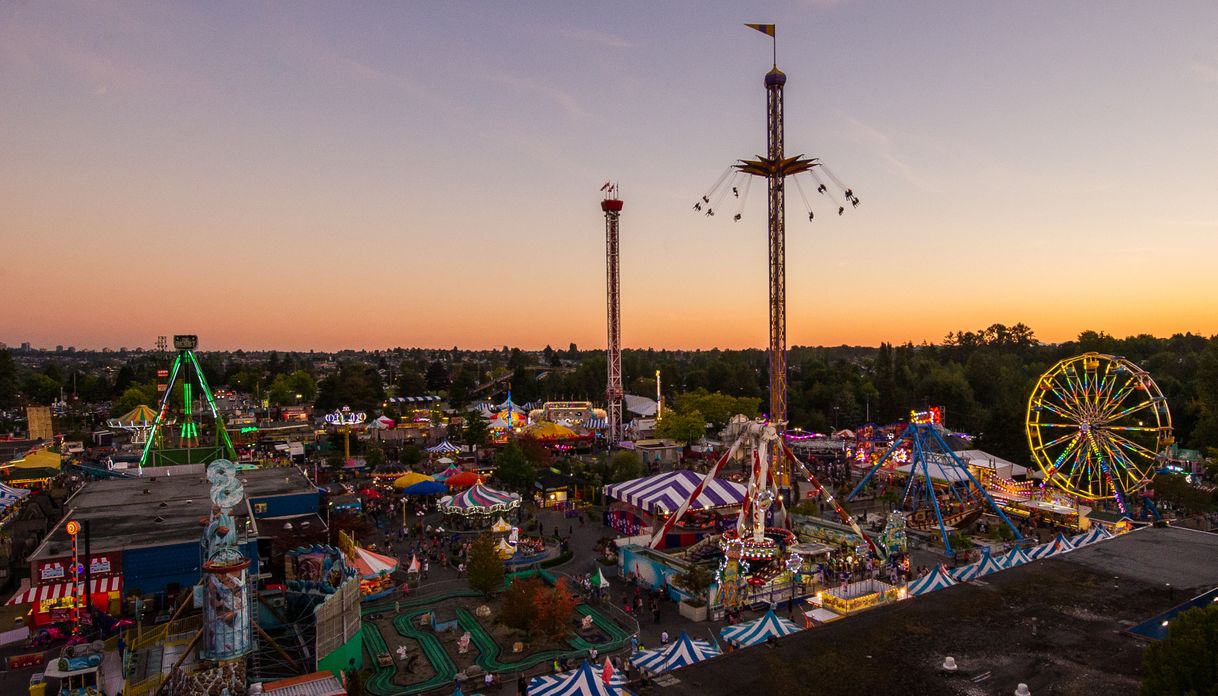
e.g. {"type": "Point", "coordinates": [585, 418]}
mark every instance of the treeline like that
{"type": "Point", "coordinates": [982, 379]}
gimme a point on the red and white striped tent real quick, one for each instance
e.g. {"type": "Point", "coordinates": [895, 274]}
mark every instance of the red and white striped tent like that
{"type": "Point", "coordinates": [42, 593]}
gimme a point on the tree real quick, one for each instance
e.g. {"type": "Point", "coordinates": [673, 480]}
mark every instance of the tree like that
{"type": "Point", "coordinates": [623, 466]}
{"type": "Point", "coordinates": [516, 608]}
{"type": "Point", "coordinates": [437, 376]}
{"type": "Point", "coordinates": [134, 396]}
{"type": "Point", "coordinates": [514, 469]}
{"type": "Point", "coordinates": [39, 388]}
{"type": "Point", "coordinates": [716, 407]}
{"type": "Point", "coordinates": [462, 386]}
{"type": "Point", "coordinates": [682, 427]}
{"type": "Point", "coordinates": [374, 455]}
{"type": "Point", "coordinates": [410, 456]}
{"type": "Point", "coordinates": [1186, 661]}
{"type": "Point", "coordinates": [538, 454]}
{"type": "Point", "coordinates": [485, 569]}
{"type": "Point", "coordinates": [8, 380]}
{"type": "Point", "coordinates": [355, 385]}
{"type": "Point", "coordinates": [552, 609]}
{"type": "Point", "coordinates": [476, 433]}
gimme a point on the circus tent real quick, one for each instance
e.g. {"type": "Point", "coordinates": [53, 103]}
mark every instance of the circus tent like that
{"type": "Point", "coordinates": [937, 579]}
{"type": "Point", "coordinates": [758, 630]}
{"type": "Point", "coordinates": [584, 681]}
{"type": "Point", "coordinates": [445, 447]}
{"type": "Point", "coordinates": [666, 492]}
{"type": "Point", "coordinates": [684, 651]}
{"type": "Point", "coordinates": [1060, 544]}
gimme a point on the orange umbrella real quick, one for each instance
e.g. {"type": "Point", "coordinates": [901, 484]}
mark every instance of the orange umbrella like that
{"type": "Point", "coordinates": [465, 479]}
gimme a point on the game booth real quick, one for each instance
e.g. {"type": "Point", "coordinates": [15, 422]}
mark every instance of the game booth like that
{"type": "Point", "coordinates": [646, 503]}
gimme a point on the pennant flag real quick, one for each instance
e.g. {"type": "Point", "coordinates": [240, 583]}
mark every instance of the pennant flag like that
{"type": "Point", "coordinates": [607, 672]}
{"type": "Point", "coordinates": [767, 29]}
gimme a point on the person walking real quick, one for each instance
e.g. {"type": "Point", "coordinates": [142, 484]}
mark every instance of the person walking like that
{"type": "Point", "coordinates": [655, 610]}
{"type": "Point", "coordinates": [663, 637]}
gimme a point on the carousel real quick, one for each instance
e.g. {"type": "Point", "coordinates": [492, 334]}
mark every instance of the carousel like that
{"type": "Point", "coordinates": [476, 507]}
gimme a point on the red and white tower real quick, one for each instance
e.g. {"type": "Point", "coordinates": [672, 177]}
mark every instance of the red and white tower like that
{"type": "Point", "coordinates": [612, 207]}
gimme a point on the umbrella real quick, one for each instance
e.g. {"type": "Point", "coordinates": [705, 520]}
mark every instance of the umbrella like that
{"type": "Point", "coordinates": [410, 478]}
{"type": "Point", "coordinates": [371, 493]}
{"type": "Point", "coordinates": [463, 479]}
{"type": "Point", "coordinates": [425, 488]}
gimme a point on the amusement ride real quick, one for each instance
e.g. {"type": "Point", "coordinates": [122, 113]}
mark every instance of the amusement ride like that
{"type": "Point", "coordinates": [1098, 426]}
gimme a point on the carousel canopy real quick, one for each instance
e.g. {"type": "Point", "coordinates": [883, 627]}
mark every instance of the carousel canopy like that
{"type": "Point", "coordinates": [137, 417]}
{"type": "Point", "coordinates": [501, 526]}
{"type": "Point", "coordinates": [544, 430]}
{"type": "Point", "coordinates": [425, 488]}
{"type": "Point", "coordinates": [758, 630]}
{"type": "Point", "coordinates": [370, 564]}
{"type": "Point", "coordinates": [684, 651]}
{"type": "Point", "coordinates": [463, 479]}
{"type": "Point", "coordinates": [480, 499]}
{"type": "Point", "coordinates": [452, 470]}
{"type": "Point", "coordinates": [410, 478]}
{"type": "Point", "coordinates": [937, 579]}
{"type": "Point", "coordinates": [666, 492]}
{"type": "Point", "coordinates": [445, 447]}
{"type": "Point", "coordinates": [585, 681]}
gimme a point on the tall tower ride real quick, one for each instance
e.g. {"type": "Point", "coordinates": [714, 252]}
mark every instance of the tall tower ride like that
{"type": "Point", "coordinates": [611, 205]}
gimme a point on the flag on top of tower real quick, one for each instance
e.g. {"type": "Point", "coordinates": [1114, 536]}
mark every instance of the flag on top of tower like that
{"type": "Point", "coordinates": [767, 29]}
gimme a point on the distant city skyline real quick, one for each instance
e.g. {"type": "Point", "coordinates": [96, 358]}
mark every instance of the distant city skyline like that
{"type": "Point", "coordinates": [398, 174]}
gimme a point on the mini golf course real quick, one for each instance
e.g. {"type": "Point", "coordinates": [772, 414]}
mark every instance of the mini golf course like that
{"type": "Point", "coordinates": [393, 679]}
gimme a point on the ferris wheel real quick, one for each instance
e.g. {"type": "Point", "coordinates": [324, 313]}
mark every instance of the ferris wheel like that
{"type": "Point", "coordinates": [1097, 425]}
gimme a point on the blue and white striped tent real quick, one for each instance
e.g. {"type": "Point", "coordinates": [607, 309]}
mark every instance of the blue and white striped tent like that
{"type": "Point", "coordinates": [1096, 533]}
{"type": "Point", "coordinates": [414, 400]}
{"type": "Point", "coordinates": [1060, 544]}
{"type": "Point", "coordinates": [10, 495]}
{"type": "Point", "coordinates": [758, 630]}
{"type": "Point", "coordinates": [683, 651]}
{"type": "Point", "coordinates": [444, 447]}
{"type": "Point", "coordinates": [486, 410]}
{"type": "Point", "coordinates": [1015, 557]}
{"type": "Point", "coordinates": [982, 566]}
{"type": "Point", "coordinates": [937, 579]}
{"type": "Point", "coordinates": [596, 423]}
{"type": "Point", "coordinates": [584, 681]}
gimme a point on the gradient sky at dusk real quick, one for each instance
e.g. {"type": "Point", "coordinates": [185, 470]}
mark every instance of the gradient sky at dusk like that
{"type": "Point", "coordinates": [327, 175]}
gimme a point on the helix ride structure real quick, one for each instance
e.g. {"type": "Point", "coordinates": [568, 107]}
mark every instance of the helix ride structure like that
{"type": "Point", "coordinates": [177, 409]}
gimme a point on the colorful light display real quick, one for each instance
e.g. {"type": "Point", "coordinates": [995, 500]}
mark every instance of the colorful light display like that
{"type": "Point", "coordinates": [1096, 425]}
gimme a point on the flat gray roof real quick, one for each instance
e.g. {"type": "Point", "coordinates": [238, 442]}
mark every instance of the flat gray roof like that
{"type": "Point", "coordinates": [155, 510]}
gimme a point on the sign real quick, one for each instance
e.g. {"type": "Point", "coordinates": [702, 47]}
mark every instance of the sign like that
{"type": "Point", "coordinates": [59, 570]}
{"type": "Point", "coordinates": [931, 416]}
{"type": "Point", "coordinates": [73, 528]}
{"type": "Point", "coordinates": [345, 416]}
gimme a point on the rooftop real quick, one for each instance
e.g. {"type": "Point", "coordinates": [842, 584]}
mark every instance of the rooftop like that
{"type": "Point", "coordinates": [1059, 625]}
{"type": "Point", "coordinates": [154, 510]}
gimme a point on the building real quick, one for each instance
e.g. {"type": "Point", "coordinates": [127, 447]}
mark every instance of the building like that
{"type": "Point", "coordinates": [1059, 625]}
{"type": "Point", "coordinates": [143, 535]}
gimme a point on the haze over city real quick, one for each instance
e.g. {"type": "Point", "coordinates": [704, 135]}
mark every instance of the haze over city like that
{"type": "Point", "coordinates": [427, 174]}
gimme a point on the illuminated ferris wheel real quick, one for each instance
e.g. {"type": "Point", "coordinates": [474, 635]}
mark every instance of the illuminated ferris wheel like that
{"type": "Point", "coordinates": [1097, 425]}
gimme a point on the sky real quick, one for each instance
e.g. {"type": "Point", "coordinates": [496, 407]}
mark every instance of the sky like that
{"type": "Point", "coordinates": [369, 175]}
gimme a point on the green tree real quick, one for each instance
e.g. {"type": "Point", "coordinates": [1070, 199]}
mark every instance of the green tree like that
{"type": "Point", "coordinates": [410, 456]}
{"type": "Point", "coordinates": [355, 385]}
{"type": "Point", "coordinates": [682, 427]}
{"type": "Point", "coordinates": [39, 388]}
{"type": "Point", "coordinates": [134, 396]}
{"type": "Point", "coordinates": [485, 569]}
{"type": "Point", "coordinates": [476, 432]}
{"type": "Point", "coordinates": [1186, 661]}
{"type": "Point", "coordinates": [624, 465]}
{"type": "Point", "coordinates": [8, 380]}
{"type": "Point", "coordinates": [514, 469]}
{"type": "Point", "coordinates": [716, 407]}
{"type": "Point", "coordinates": [374, 455]}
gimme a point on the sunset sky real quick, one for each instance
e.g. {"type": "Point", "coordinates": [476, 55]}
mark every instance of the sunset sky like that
{"type": "Point", "coordinates": [328, 175]}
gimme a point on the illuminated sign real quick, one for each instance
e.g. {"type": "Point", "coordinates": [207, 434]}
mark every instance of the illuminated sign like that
{"type": "Point", "coordinates": [931, 416]}
{"type": "Point", "coordinates": [345, 416]}
{"type": "Point", "coordinates": [250, 429]}
{"type": "Point", "coordinates": [73, 528]}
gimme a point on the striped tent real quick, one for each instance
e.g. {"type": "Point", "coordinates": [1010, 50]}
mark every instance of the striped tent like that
{"type": "Point", "coordinates": [479, 500]}
{"type": "Point", "coordinates": [1015, 557]}
{"type": "Point", "coordinates": [758, 630]}
{"type": "Point", "coordinates": [583, 681]}
{"type": "Point", "coordinates": [1091, 536]}
{"type": "Point", "coordinates": [981, 567]}
{"type": "Point", "coordinates": [10, 495]}
{"type": "Point", "coordinates": [485, 409]}
{"type": "Point", "coordinates": [444, 447]}
{"type": "Point", "coordinates": [683, 651]}
{"type": "Point", "coordinates": [415, 400]}
{"type": "Point", "coordinates": [1058, 545]}
{"type": "Point", "coordinates": [42, 593]}
{"type": "Point", "coordinates": [140, 416]}
{"type": "Point", "coordinates": [664, 493]}
{"type": "Point", "coordinates": [937, 579]}
{"type": "Point", "coordinates": [371, 564]}
{"type": "Point", "coordinates": [448, 473]}
{"type": "Point", "coordinates": [595, 423]}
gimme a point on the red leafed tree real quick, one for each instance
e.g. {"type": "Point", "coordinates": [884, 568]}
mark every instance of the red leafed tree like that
{"type": "Point", "coordinates": [552, 609]}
